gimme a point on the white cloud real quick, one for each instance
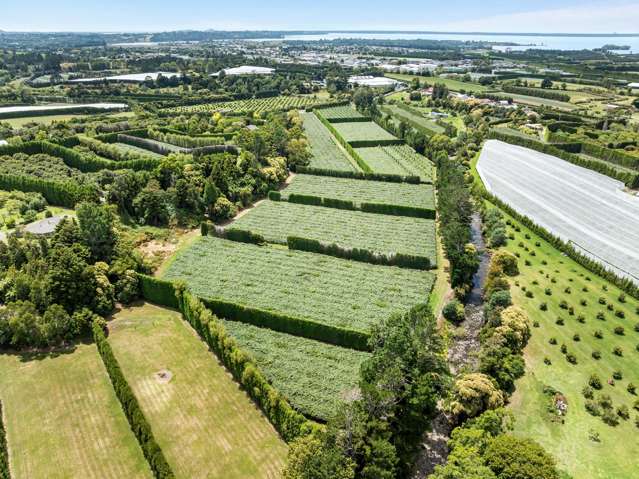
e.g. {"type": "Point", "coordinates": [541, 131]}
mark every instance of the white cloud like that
{"type": "Point", "coordinates": [596, 18]}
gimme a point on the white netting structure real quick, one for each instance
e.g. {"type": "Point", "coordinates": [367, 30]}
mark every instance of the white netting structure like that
{"type": "Point", "coordinates": [578, 205]}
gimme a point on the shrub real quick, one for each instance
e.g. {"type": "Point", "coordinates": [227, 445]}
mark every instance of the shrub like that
{"type": "Point", "coordinates": [583, 302]}
{"type": "Point", "coordinates": [623, 412]}
{"type": "Point", "coordinates": [510, 457]}
{"type": "Point", "coordinates": [617, 351]}
{"type": "Point", "coordinates": [622, 298]}
{"type": "Point", "coordinates": [548, 292]}
{"type": "Point", "coordinates": [529, 294]}
{"type": "Point", "coordinates": [618, 375]}
{"type": "Point", "coordinates": [595, 382]}
{"type": "Point", "coordinates": [563, 304]}
{"type": "Point", "coordinates": [564, 348]}
{"type": "Point", "coordinates": [543, 307]}
{"type": "Point", "coordinates": [619, 330]}
{"type": "Point", "coordinates": [602, 300]}
{"type": "Point", "coordinates": [596, 355]}
{"type": "Point", "coordinates": [637, 327]}
{"type": "Point", "coordinates": [473, 394]}
{"type": "Point", "coordinates": [581, 318]}
{"type": "Point", "coordinates": [601, 316]}
{"type": "Point", "coordinates": [454, 311]}
{"type": "Point", "coordinates": [620, 314]}
{"type": "Point", "coordinates": [609, 417]}
{"type": "Point", "coordinates": [598, 334]}
{"type": "Point", "coordinates": [631, 388]}
{"type": "Point", "coordinates": [588, 392]}
{"type": "Point", "coordinates": [547, 361]}
{"type": "Point", "coordinates": [553, 341]}
{"type": "Point", "coordinates": [559, 321]}
{"type": "Point", "coordinates": [576, 337]}
{"type": "Point", "coordinates": [593, 408]}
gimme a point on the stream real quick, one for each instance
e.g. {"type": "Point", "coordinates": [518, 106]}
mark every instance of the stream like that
{"type": "Point", "coordinates": [462, 356]}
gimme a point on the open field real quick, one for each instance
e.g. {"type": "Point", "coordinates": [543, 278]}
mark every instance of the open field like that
{"type": "Point", "coordinates": [578, 205]}
{"type": "Point", "coordinates": [257, 105]}
{"type": "Point", "coordinates": [299, 283]}
{"type": "Point", "coordinates": [43, 120]}
{"type": "Point", "coordinates": [397, 160]}
{"type": "Point", "coordinates": [276, 220]}
{"type": "Point", "coordinates": [342, 113]}
{"type": "Point", "coordinates": [615, 455]}
{"type": "Point", "coordinates": [412, 116]}
{"type": "Point", "coordinates": [362, 131]}
{"type": "Point", "coordinates": [314, 376]}
{"type": "Point", "coordinates": [205, 425]}
{"type": "Point", "coordinates": [325, 152]}
{"type": "Point", "coordinates": [536, 101]}
{"type": "Point", "coordinates": [63, 418]}
{"type": "Point", "coordinates": [360, 191]}
{"type": "Point", "coordinates": [455, 85]}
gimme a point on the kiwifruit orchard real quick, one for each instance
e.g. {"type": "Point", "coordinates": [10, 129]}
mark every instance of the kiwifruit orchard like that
{"type": "Point", "coordinates": [263, 254]}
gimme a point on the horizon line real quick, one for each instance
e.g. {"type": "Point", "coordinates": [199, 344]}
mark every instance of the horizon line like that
{"type": "Point", "coordinates": [325, 31]}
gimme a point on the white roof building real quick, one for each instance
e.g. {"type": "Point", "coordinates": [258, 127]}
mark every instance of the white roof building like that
{"type": "Point", "coordinates": [246, 70]}
{"type": "Point", "coordinates": [373, 82]}
{"type": "Point", "coordinates": [633, 85]}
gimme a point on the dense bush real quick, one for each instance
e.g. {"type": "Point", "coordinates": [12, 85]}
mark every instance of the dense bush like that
{"type": "Point", "coordinates": [454, 311]}
{"type": "Point", "coordinates": [511, 457]}
{"type": "Point", "coordinates": [138, 422]}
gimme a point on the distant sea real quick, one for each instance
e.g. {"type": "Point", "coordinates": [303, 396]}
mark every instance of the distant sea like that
{"type": "Point", "coordinates": [572, 42]}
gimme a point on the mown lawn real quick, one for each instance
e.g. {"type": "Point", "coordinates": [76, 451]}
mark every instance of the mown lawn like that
{"type": "Point", "coordinates": [614, 456]}
{"type": "Point", "coordinates": [205, 425]}
{"type": "Point", "coordinates": [63, 418]}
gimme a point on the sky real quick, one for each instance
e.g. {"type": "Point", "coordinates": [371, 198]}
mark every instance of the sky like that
{"type": "Point", "coordinates": [542, 16]}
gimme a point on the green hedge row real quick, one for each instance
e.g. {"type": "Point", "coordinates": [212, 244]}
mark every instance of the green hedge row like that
{"type": "Point", "coordinates": [158, 291]}
{"type": "Point", "coordinates": [630, 179]}
{"type": "Point", "coordinates": [139, 424]}
{"type": "Point", "coordinates": [5, 473]}
{"type": "Point", "coordinates": [57, 193]}
{"type": "Point", "coordinates": [284, 323]}
{"type": "Point", "coordinates": [398, 210]}
{"type": "Point", "coordinates": [358, 175]}
{"type": "Point", "coordinates": [409, 121]}
{"type": "Point", "coordinates": [289, 423]}
{"type": "Point", "coordinates": [591, 265]}
{"type": "Point", "coordinates": [380, 208]}
{"type": "Point", "coordinates": [347, 146]}
{"type": "Point", "coordinates": [113, 137]}
{"type": "Point", "coordinates": [75, 159]}
{"type": "Point", "coordinates": [613, 156]}
{"type": "Point", "coordinates": [235, 234]}
{"type": "Point", "coordinates": [164, 293]}
{"type": "Point", "coordinates": [358, 254]}
{"type": "Point", "coordinates": [350, 119]}
{"type": "Point", "coordinates": [536, 92]}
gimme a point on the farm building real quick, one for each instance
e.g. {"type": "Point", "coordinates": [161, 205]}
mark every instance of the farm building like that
{"type": "Point", "coordinates": [634, 85]}
{"type": "Point", "coordinates": [246, 70]}
{"type": "Point", "coordinates": [373, 82]}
